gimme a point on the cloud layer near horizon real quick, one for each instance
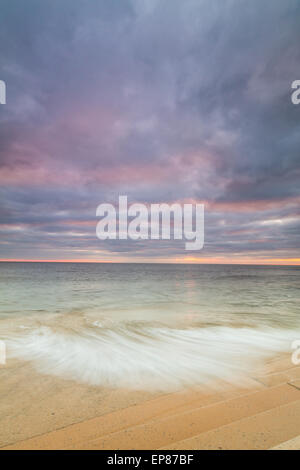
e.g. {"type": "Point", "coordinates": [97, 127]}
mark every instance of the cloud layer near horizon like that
{"type": "Point", "coordinates": [161, 100]}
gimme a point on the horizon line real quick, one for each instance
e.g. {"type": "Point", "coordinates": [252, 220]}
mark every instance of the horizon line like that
{"type": "Point", "coordinates": [275, 262]}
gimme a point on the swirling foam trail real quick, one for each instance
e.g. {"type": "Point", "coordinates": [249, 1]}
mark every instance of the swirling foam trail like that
{"type": "Point", "coordinates": [149, 357]}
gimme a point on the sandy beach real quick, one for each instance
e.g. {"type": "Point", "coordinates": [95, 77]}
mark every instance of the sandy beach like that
{"type": "Point", "coordinates": [51, 413]}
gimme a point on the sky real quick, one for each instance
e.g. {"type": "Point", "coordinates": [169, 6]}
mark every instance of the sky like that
{"type": "Point", "coordinates": [162, 101]}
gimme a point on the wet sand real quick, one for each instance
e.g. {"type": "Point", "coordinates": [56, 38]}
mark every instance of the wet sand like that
{"type": "Point", "coordinates": [44, 412]}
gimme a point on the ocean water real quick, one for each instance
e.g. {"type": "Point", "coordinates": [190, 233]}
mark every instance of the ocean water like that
{"type": "Point", "coordinates": [148, 326]}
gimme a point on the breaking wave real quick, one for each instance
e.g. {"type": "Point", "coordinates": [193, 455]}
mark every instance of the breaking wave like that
{"type": "Point", "coordinates": [141, 356]}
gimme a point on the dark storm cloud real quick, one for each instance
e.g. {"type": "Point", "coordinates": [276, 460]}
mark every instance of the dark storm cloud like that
{"type": "Point", "coordinates": [160, 100]}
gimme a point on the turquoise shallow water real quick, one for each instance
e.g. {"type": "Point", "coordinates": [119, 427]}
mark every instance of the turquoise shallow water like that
{"type": "Point", "coordinates": [147, 326]}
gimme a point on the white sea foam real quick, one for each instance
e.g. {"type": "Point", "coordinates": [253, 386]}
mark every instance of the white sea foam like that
{"type": "Point", "coordinates": [144, 357]}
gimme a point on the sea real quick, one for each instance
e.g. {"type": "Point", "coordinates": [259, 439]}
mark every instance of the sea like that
{"type": "Point", "coordinates": [148, 326]}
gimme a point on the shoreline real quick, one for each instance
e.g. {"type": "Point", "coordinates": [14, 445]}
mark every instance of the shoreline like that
{"type": "Point", "coordinates": [264, 415]}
